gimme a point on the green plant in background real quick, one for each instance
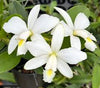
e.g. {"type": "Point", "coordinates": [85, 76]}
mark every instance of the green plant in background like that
{"type": "Point", "coordinates": [86, 73]}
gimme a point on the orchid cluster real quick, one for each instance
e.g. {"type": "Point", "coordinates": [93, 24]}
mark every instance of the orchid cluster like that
{"type": "Point", "coordinates": [52, 55]}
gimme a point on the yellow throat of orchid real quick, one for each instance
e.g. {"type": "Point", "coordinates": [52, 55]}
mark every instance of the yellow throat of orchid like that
{"type": "Point", "coordinates": [74, 32]}
{"type": "Point", "coordinates": [20, 43]}
{"type": "Point", "coordinates": [27, 34]}
{"type": "Point", "coordinates": [88, 39]}
{"type": "Point", "coordinates": [31, 33]}
{"type": "Point", "coordinates": [53, 54]}
{"type": "Point", "coordinates": [49, 72]}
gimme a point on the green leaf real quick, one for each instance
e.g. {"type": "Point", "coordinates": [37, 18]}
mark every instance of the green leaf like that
{"type": "Point", "coordinates": [74, 86]}
{"type": "Point", "coordinates": [66, 42]}
{"type": "Point", "coordinates": [52, 5]}
{"type": "Point", "coordinates": [1, 6]}
{"type": "Point", "coordinates": [77, 9]}
{"type": "Point", "coordinates": [27, 56]}
{"type": "Point", "coordinates": [16, 8]}
{"type": "Point", "coordinates": [7, 76]}
{"type": "Point", "coordinates": [8, 62]}
{"type": "Point", "coordinates": [80, 79]}
{"type": "Point", "coordinates": [96, 76]}
{"type": "Point", "coordinates": [2, 44]}
{"type": "Point", "coordinates": [2, 34]}
{"type": "Point", "coordinates": [91, 58]}
{"type": "Point", "coordinates": [1, 12]}
{"type": "Point", "coordinates": [39, 70]}
{"type": "Point", "coordinates": [97, 51]}
{"type": "Point", "coordinates": [59, 79]}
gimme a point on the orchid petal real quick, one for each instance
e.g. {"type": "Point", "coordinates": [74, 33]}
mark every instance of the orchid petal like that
{"type": "Point", "coordinates": [84, 34]}
{"type": "Point", "coordinates": [51, 63]}
{"type": "Point", "coordinates": [36, 37]}
{"type": "Point", "coordinates": [72, 55]}
{"type": "Point", "coordinates": [35, 62]}
{"type": "Point", "coordinates": [24, 35]}
{"type": "Point", "coordinates": [75, 42]}
{"type": "Point", "coordinates": [12, 44]}
{"type": "Point", "coordinates": [22, 49]}
{"type": "Point", "coordinates": [38, 48]}
{"type": "Point", "coordinates": [64, 69]}
{"type": "Point", "coordinates": [57, 38]}
{"type": "Point", "coordinates": [92, 37]}
{"type": "Point", "coordinates": [90, 45]}
{"type": "Point", "coordinates": [45, 23]}
{"type": "Point", "coordinates": [68, 30]}
{"type": "Point", "coordinates": [15, 25]}
{"type": "Point", "coordinates": [47, 78]}
{"type": "Point", "coordinates": [81, 21]}
{"type": "Point", "coordinates": [33, 16]}
{"type": "Point", "coordinates": [65, 16]}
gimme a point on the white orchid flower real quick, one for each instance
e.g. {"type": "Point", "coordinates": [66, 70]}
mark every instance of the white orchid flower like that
{"type": "Point", "coordinates": [34, 28]}
{"type": "Point", "coordinates": [77, 29]}
{"type": "Point", "coordinates": [53, 57]}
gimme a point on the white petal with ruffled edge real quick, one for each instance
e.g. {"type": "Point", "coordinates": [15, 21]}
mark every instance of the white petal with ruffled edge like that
{"type": "Point", "coordinates": [35, 62]}
{"type": "Point", "coordinates": [38, 48]}
{"type": "Point", "coordinates": [33, 16]}
{"type": "Point", "coordinates": [12, 44]}
{"type": "Point", "coordinates": [81, 21]}
{"type": "Point", "coordinates": [75, 42]}
{"type": "Point", "coordinates": [45, 23]}
{"type": "Point", "coordinates": [15, 25]}
{"type": "Point", "coordinates": [72, 55]}
{"type": "Point", "coordinates": [47, 78]}
{"type": "Point", "coordinates": [65, 16]}
{"type": "Point", "coordinates": [64, 68]}
{"type": "Point", "coordinates": [57, 38]}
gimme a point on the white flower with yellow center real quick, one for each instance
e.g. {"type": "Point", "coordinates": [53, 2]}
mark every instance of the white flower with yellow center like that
{"type": "Point", "coordinates": [53, 57]}
{"type": "Point", "coordinates": [77, 29]}
{"type": "Point", "coordinates": [34, 28]}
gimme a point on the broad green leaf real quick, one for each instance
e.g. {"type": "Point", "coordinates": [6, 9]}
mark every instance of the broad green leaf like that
{"type": "Point", "coordinates": [89, 62]}
{"type": "Point", "coordinates": [91, 58]}
{"type": "Point", "coordinates": [96, 76]}
{"type": "Point", "coordinates": [74, 86]}
{"type": "Point", "coordinates": [16, 8]}
{"type": "Point", "coordinates": [7, 76]}
{"type": "Point", "coordinates": [8, 62]}
{"type": "Point", "coordinates": [1, 6]}
{"type": "Point", "coordinates": [97, 51]}
{"type": "Point", "coordinates": [1, 12]}
{"type": "Point", "coordinates": [80, 79]}
{"type": "Point", "coordinates": [1, 17]}
{"type": "Point", "coordinates": [77, 9]}
{"type": "Point", "coordinates": [2, 44]}
{"type": "Point", "coordinates": [2, 34]}
{"type": "Point", "coordinates": [59, 79]}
